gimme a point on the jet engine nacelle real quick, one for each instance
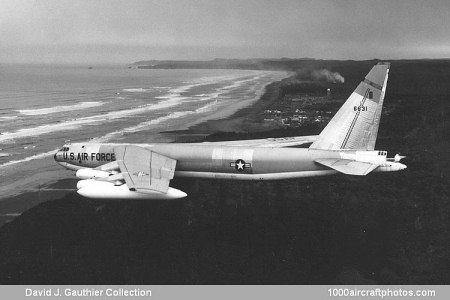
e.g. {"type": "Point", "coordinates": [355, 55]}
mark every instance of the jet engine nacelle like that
{"type": "Point", "coordinates": [398, 157]}
{"type": "Point", "coordinates": [107, 190]}
{"type": "Point", "coordinates": [90, 173]}
{"type": "Point", "coordinates": [390, 167]}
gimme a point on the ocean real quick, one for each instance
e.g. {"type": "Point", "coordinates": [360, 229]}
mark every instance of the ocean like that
{"type": "Point", "coordinates": [43, 107]}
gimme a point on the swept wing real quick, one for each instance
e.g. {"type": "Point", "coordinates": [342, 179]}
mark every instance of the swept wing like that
{"type": "Point", "coordinates": [137, 173]}
{"type": "Point", "coordinates": [269, 142]}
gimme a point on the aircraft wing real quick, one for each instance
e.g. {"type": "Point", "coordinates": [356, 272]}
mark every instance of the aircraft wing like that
{"type": "Point", "coordinates": [269, 142]}
{"type": "Point", "coordinates": [347, 166]}
{"type": "Point", "coordinates": [143, 170]}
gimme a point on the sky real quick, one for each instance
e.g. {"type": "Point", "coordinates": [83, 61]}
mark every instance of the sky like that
{"type": "Point", "coordinates": [111, 31]}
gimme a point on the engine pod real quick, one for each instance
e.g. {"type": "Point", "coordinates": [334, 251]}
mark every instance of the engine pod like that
{"type": "Point", "coordinates": [105, 190]}
{"type": "Point", "coordinates": [90, 173]}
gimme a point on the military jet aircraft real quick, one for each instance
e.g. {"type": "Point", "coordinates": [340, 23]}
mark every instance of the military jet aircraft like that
{"type": "Point", "coordinates": [143, 171]}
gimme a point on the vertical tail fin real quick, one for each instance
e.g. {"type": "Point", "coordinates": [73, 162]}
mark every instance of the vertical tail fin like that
{"type": "Point", "coordinates": [355, 125]}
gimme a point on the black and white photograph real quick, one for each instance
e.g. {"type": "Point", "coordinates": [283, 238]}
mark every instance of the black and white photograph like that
{"type": "Point", "coordinates": [205, 142]}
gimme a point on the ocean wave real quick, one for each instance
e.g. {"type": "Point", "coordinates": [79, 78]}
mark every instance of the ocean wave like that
{"type": "Point", "coordinates": [206, 107]}
{"type": "Point", "coordinates": [141, 126]}
{"type": "Point", "coordinates": [26, 159]}
{"type": "Point", "coordinates": [136, 90]}
{"type": "Point", "coordinates": [173, 98]}
{"type": "Point", "coordinates": [79, 122]}
{"type": "Point", "coordinates": [58, 109]}
{"type": "Point", "coordinates": [176, 94]}
{"type": "Point", "coordinates": [203, 98]}
{"type": "Point", "coordinates": [150, 123]}
{"type": "Point", "coordinates": [240, 83]}
{"type": "Point", "coordinates": [10, 215]}
{"type": "Point", "coordinates": [201, 82]}
{"type": "Point", "coordinates": [8, 118]}
{"type": "Point", "coordinates": [178, 91]}
{"type": "Point", "coordinates": [143, 90]}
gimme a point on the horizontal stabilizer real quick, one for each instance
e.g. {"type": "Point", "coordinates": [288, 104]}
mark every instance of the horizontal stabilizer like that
{"type": "Point", "coordinates": [347, 166]}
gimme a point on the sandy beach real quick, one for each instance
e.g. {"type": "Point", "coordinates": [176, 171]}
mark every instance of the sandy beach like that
{"type": "Point", "coordinates": [233, 119]}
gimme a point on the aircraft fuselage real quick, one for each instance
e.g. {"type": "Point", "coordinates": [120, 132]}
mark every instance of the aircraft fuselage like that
{"type": "Point", "coordinates": [224, 162]}
{"type": "Point", "coordinates": [200, 160]}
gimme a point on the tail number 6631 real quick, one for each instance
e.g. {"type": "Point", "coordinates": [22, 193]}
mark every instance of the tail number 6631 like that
{"type": "Point", "coordinates": [360, 108]}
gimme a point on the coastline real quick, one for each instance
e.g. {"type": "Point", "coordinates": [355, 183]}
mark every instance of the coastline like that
{"type": "Point", "coordinates": [241, 120]}
{"type": "Point", "coordinates": [28, 192]}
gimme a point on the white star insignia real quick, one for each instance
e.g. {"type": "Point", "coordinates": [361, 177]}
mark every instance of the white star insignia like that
{"type": "Point", "coordinates": [140, 174]}
{"type": "Point", "coordinates": [240, 165]}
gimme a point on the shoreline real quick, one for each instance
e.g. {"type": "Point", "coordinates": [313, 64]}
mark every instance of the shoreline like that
{"type": "Point", "coordinates": [244, 119]}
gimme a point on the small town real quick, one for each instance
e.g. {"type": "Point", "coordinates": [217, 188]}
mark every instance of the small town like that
{"type": "Point", "coordinates": [295, 110]}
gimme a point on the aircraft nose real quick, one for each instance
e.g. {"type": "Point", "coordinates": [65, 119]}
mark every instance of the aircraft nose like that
{"type": "Point", "coordinates": [57, 156]}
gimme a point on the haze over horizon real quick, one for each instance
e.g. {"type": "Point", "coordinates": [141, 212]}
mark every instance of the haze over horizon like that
{"type": "Point", "coordinates": [90, 32]}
